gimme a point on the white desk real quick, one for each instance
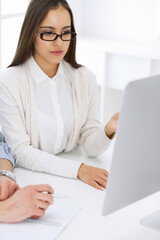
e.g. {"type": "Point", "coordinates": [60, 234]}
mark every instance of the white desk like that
{"type": "Point", "coordinates": [89, 224]}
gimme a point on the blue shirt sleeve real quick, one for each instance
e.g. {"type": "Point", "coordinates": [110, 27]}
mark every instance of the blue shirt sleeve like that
{"type": "Point", "coordinates": [5, 151]}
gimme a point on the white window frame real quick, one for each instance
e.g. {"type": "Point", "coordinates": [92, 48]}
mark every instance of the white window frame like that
{"type": "Point", "coordinates": [158, 19]}
{"type": "Point", "coordinates": [7, 16]}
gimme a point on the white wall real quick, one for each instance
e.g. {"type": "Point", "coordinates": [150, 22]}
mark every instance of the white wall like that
{"type": "Point", "coordinates": [124, 21]}
{"type": "Point", "coordinates": [131, 20]}
{"type": "Point", "coordinates": [77, 7]}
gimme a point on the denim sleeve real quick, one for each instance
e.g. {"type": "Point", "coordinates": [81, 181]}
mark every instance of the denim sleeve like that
{"type": "Point", "coordinates": [5, 151]}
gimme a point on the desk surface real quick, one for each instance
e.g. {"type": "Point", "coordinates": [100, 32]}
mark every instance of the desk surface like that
{"type": "Point", "coordinates": [89, 223]}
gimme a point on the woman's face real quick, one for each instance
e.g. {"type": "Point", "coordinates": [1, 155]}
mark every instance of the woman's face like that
{"type": "Point", "coordinates": [51, 53]}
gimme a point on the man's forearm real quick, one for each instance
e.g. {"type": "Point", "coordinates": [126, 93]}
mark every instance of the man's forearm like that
{"type": "Point", "coordinates": [5, 165]}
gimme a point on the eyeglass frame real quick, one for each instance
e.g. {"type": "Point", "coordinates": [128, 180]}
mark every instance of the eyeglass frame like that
{"type": "Point", "coordinates": [57, 36]}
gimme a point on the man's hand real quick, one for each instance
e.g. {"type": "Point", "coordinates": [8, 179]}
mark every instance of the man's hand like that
{"type": "Point", "coordinates": [93, 176]}
{"type": "Point", "coordinates": [27, 202]}
{"type": "Point", "coordinates": [7, 187]}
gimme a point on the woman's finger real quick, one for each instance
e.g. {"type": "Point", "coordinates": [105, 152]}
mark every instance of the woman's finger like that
{"type": "Point", "coordinates": [104, 178]}
{"type": "Point", "coordinates": [101, 182]}
{"type": "Point", "coordinates": [96, 185]}
{"type": "Point", "coordinates": [105, 173]}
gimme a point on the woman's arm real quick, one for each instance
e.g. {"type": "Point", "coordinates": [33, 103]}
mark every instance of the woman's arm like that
{"type": "Point", "coordinates": [18, 140]}
{"type": "Point", "coordinates": [92, 134]}
{"type": "Point", "coordinates": [95, 139]}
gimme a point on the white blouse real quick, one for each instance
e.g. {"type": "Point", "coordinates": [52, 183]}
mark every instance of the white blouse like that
{"type": "Point", "coordinates": [55, 107]}
{"type": "Point", "coordinates": [19, 115]}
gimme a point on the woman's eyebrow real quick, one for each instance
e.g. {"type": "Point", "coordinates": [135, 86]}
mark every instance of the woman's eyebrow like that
{"type": "Point", "coordinates": [66, 27]}
{"type": "Point", "coordinates": [54, 27]}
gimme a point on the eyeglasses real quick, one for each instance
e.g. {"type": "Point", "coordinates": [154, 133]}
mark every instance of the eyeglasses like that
{"type": "Point", "coordinates": [50, 36]}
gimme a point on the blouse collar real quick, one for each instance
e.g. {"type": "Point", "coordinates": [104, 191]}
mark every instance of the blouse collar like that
{"type": "Point", "coordinates": [38, 74]}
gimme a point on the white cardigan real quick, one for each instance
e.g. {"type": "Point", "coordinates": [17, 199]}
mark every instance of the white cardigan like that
{"type": "Point", "coordinates": [19, 113]}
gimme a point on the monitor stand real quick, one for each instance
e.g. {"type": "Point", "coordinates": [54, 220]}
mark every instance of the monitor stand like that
{"type": "Point", "coordinates": [152, 220]}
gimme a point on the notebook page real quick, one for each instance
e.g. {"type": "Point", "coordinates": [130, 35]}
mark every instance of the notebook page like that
{"type": "Point", "coordinates": [57, 217]}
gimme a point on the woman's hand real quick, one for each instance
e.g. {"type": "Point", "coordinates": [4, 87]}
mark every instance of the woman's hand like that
{"type": "Point", "coordinates": [30, 201]}
{"type": "Point", "coordinates": [96, 177]}
{"type": "Point", "coordinates": [111, 126]}
{"type": "Point", "coordinates": [7, 187]}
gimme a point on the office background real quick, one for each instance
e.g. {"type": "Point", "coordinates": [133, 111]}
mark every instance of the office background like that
{"type": "Point", "coordinates": [119, 40]}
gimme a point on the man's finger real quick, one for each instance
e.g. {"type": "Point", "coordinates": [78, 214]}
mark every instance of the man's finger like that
{"type": "Point", "coordinates": [42, 204]}
{"type": "Point", "coordinates": [12, 189]}
{"type": "Point", "coordinates": [43, 188]}
{"type": "Point", "coordinates": [38, 213]}
{"type": "Point", "coordinates": [45, 197]}
{"type": "Point", "coordinates": [4, 193]}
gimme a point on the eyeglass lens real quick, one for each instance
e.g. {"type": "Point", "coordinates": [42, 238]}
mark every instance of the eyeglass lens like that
{"type": "Point", "coordinates": [48, 36]}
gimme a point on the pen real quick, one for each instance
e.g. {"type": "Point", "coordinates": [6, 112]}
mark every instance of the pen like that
{"type": "Point", "coordinates": [60, 196]}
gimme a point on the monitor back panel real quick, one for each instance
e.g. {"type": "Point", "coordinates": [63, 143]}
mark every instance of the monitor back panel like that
{"type": "Point", "coordinates": [135, 169]}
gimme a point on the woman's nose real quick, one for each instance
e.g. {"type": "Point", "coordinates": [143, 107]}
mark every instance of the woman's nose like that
{"type": "Point", "coordinates": [58, 41]}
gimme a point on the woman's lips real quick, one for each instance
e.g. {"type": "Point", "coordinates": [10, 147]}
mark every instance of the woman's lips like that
{"type": "Point", "coordinates": [57, 53]}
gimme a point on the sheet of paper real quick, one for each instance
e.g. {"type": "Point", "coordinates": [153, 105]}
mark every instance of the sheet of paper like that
{"type": "Point", "coordinates": [57, 217]}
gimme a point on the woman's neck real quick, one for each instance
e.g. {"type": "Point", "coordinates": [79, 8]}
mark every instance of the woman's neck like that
{"type": "Point", "coordinates": [49, 69]}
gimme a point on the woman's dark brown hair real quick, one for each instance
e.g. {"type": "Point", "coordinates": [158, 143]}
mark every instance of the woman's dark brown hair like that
{"type": "Point", "coordinates": [36, 13]}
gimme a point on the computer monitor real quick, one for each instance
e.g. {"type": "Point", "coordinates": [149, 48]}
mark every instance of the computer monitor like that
{"type": "Point", "coordinates": [135, 166]}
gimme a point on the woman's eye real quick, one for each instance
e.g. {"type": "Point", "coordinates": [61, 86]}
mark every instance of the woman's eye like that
{"type": "Point", "coordinates": [48, 33]}
{"type": "Point", "coordinates": [66, 32]}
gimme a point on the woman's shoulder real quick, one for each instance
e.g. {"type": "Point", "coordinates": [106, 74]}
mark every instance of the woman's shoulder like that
{"type": "Point", "coordinates": [7, 79]}
{"type": "Point", "coordinates": [82, 73]}
{"type": "Point", "coordinates": [6, 73]}
{"type": "Point", "coordinates": [8, 76]}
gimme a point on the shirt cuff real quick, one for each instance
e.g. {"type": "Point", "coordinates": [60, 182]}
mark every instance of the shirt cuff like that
{"type": "Point", "coordinates": [76, 169]}
{"type": "Point", "coordinates": [1, 137]}
{"type": "Point", "coordinates": [5, 153]}
{"type": "Point", "coordinates": [103, 140]}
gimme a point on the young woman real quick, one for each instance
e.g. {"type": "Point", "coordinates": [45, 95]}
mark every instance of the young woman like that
{"type": "Point", "coordinates": [48, 102]}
